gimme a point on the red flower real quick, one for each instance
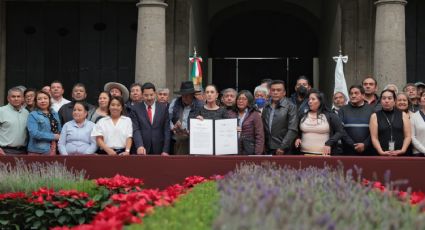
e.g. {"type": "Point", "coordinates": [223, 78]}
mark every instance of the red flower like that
{"type": "Point", "coordinates": [193, 180]}
{"type": "Point", "coordinates": [119, 181]}
{"type": "Point", "coordinates": [60, 204]}
{"type": "Point", "coordinates": [43, 191]}
{"type": "Point", "coordinates": [13, 195]}
{"type": "Point", "coordinates": [417, 197]}
{"type": "Point", "coordinates": [73, 194]}
{"type": "Point", "coordinates": [378, 185]}
{"type": "Point", "coordinates": [89, 204]}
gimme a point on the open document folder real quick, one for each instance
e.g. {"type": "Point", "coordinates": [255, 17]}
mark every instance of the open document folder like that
{"type": "Point", "coordinates": [213, 137]}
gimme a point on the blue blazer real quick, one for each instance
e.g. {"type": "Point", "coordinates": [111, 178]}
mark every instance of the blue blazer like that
{"type": "Point", "coordinates": [154, 137]}
{"type": "Point", "coordinates": [40, 136]}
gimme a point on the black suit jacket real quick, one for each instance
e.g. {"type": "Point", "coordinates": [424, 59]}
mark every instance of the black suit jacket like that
{"type": "Point", "coordinates": [154, 137]}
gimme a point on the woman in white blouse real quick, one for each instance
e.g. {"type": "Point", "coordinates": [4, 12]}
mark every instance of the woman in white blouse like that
{"type": "Point", "coordinates": [418, 128]}
{"type": "Point", "coordinates": [114, 132]}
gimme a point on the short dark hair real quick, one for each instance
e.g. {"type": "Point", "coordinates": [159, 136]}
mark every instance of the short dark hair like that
{"type": "Point", "coordinates": [303, 77]}
{"type": "Point", "coordinates": [409, 85]}
{"type": "Point", "coordinates": [359, 87]}
{"type": "Point", "coordinates": [148, 85]}
{"type": "Point", "coordinates": [79, 84]}
{"type": "Point", "coordinates": [248, 96]}
{"type": "Point", "coordinates": [121, 101]}
{"type": "Point", "coordinates": [56, 81]}
{"type": "Point", "coordinates": [84, 104]}
{"type": "Point", "coordinates": [45, 93]}
{"type": "Point", "coordinates": [388, 90]}
{"type": "Point", "coordinates": [135, 85]}
{"type": "Point", "coordinates": [29, 90]}
{"type": "Point", "coordinates": [212, 85]}
{"type": "Point", "coordinates": [276, 82]}
{"type": "Point", "coordinates": [370, 77]}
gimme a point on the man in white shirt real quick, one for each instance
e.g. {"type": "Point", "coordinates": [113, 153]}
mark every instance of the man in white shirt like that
{"type": "Point", "coordinates": [56, 91]}
{"type": "Point", "coordinates": [13, 124]}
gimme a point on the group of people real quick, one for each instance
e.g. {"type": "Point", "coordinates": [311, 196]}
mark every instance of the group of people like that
{"type": "Point", "coordinates": [141, 120]}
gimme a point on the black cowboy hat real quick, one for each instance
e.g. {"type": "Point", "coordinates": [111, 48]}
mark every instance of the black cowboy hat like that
{"type": "Point", "coordinates": [186, 87]}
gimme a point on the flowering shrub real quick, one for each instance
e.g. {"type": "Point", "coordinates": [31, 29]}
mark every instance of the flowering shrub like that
{"type": "Point", "coordinates": [413, 198]}
{"type": "Point", "coordinates": [119, 184]}
{"type": "Point", "coordinates": [131, 207]}
{"type": "Point", "coordinates": [270, 197]}
{"type": "Point", "coordinates": [46, 207]}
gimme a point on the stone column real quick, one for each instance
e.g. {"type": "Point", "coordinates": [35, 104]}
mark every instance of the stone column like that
{"type": "Point", "coordinates": [390, 43]}
{"type": "Point", "coordinates": [151, 46]}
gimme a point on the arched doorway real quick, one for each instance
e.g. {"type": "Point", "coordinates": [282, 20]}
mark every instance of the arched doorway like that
{"type": "Point", "coordinates": [264, 40]}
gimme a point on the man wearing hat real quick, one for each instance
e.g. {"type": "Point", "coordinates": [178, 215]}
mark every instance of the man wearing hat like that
{"type": "Point", "coordinates": [420, 88]}
{"type": "Point", "coordinates": [179, 116]}
{"type": "Point", "coordinates": [117, 90]}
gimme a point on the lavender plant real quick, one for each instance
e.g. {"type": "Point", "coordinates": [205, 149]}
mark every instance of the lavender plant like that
{"type": "Point", "coordinates": [23, 177]}
{"type": "Point", "coordinates": [271, 197]}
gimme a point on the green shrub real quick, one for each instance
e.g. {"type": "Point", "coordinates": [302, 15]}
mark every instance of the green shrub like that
{"type": "Point", "coordinates": [23, 177]}
{"type": "Point", "coordinates": [195, 210]}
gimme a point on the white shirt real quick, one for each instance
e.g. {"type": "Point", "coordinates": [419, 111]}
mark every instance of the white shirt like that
{"type": "Point", "coordinates": [418, 132]}
{"type": "Point", "coordinates": [114, 135]}
{"type": "Point", "coordinates": [57, 104]}
{"type": "Point", "coordinates": [153, 106]}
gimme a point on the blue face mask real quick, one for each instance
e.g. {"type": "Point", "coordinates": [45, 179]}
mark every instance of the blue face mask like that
{"type": "Point", "coordinates": [260, 102]}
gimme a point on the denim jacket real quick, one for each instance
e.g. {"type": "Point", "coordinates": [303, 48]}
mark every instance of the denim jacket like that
{"type": "Point", "coordinates": [40, 135]}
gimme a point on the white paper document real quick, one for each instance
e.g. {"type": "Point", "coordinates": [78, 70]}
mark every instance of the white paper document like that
{"type": "Point", "coordinates": [209, 136]}
{"type": "Point", "coordinates": [226, 137]}
{"type": "Point", "coordinates": [201, 137]}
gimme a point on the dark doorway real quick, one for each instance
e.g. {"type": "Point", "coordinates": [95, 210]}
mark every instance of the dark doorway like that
{"type": "Point", "coordinates": [92, 43]}
{"type": "Point", "coordinates": [269, 34]}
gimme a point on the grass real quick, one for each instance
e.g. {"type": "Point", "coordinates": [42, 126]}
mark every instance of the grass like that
{"type": "Point", "coordinates": [23, 177]}
{"type": "Point", "coordinates": [195, 210]}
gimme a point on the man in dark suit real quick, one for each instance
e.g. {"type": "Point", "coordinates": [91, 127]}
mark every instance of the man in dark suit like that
{"type": "Point", "coordinates": [151, 124]}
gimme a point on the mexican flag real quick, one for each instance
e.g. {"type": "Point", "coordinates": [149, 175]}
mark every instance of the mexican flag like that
{"type": "Point", "coordinates": [196, 74]}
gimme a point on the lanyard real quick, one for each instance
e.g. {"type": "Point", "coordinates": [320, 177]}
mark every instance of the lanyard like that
{"type": "Point", "coordinates": [390, 123]}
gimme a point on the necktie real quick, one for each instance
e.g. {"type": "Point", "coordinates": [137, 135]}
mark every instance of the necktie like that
{"type": "Point", "coordinates": [150, 113]}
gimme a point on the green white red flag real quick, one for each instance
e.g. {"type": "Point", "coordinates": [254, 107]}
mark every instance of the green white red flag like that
{"type": "Point", "coordinates": [196, 74]}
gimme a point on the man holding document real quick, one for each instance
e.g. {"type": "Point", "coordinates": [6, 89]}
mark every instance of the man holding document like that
{"type": "Point", "coordinates": [280, 121]}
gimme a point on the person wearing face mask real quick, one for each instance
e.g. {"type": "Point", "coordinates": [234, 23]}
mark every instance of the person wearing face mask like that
{"type": "Point", "coordinates": [299, 98]}
{"type": "Point", "coordinates": [261, 95]}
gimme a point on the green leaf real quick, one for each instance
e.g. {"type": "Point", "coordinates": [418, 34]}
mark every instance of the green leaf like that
{"type": "Point", "coordinates": [36, 224]}
{"type": "Point", "coordinates": [62, 219]}
{"type": "Point", "coordinates": [39, 212]}
{"type": "Point", "coordinates": [56, 212]}
{"type": "Point", "coordinates": [81, 220]}
{"type": "Point", "coordinates": [4, 222]}
{"type": "Point", "coordinates": [78, 212]}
